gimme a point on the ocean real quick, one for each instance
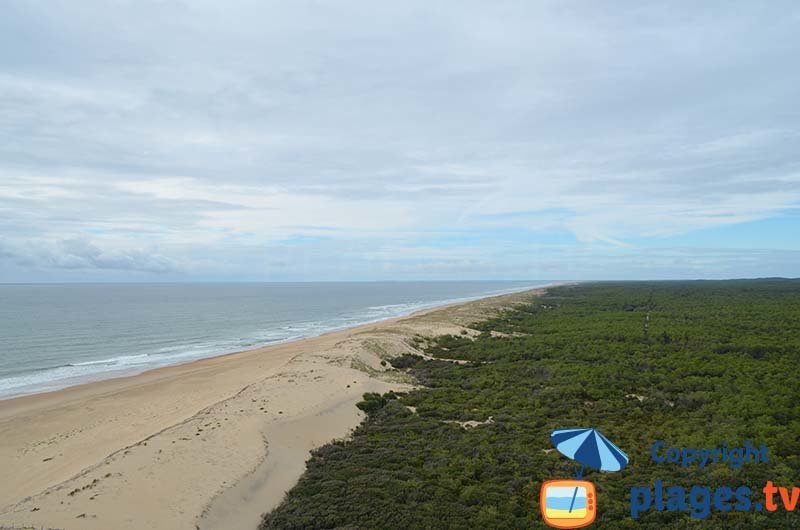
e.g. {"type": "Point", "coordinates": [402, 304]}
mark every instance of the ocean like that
{"type": "Point", "coordinates": [57, 335]}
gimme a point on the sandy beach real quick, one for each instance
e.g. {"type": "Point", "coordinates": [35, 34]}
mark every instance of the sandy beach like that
{"type": "Point", "coordinates": [207, 445]}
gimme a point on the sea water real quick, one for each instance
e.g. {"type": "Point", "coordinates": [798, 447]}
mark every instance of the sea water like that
{"type": "Point", "coordinates": [56, 335]}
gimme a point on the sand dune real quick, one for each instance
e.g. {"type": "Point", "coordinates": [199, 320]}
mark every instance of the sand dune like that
{"type": "Point", "coordinates": [209, 445]}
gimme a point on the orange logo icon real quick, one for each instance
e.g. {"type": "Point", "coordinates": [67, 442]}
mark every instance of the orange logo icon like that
{"type": "Point", "coordinates": [568, 503]}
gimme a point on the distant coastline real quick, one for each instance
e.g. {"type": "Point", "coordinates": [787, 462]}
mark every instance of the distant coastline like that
{"type": "Point", "coordinates": [116, 358]}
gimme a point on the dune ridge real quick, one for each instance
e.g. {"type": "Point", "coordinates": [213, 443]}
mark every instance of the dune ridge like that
{"type": "Point", "coordinates": [206, 445]}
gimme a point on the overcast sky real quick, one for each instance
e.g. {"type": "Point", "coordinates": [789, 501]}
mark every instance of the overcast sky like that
{"type": "Point", "coordinates": [337, 140]}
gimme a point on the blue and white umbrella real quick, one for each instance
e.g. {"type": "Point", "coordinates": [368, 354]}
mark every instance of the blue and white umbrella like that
{"type": "Point", "coordinates": [589, 448]}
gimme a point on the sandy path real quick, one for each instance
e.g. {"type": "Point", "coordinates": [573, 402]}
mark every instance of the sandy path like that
{"type": "Point", "coordinates": [211, 444]}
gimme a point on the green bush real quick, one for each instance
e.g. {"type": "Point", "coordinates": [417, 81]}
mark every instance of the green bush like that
{"type": "Point", "coordinates": [727, 373]}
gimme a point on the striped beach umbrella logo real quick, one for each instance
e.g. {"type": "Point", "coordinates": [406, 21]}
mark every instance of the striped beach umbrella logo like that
{"type": "Point", "coordinates": [589, 448]}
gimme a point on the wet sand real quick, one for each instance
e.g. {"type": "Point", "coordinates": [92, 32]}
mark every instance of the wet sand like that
{"type": "Point", "coordinates": [211, 444]}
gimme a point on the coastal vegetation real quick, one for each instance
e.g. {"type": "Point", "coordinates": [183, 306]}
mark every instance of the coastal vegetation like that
{"type": "Point", "coordinates": [694, 364]}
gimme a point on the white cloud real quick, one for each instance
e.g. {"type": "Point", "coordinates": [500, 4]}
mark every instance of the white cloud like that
{"type": "Point", "coordinates": [82, 254]}
{"type": "Point", "coordinates": [212, 134]}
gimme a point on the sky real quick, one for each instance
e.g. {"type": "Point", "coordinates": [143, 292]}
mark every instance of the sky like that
{"type": "Point", "coordinates": [417, 140]}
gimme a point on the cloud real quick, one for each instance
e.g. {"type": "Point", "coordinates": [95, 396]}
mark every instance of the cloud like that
{"type": "Point", "coordinates": [82, 254]}
{"type": "Point", "coordinates": [211, 135]}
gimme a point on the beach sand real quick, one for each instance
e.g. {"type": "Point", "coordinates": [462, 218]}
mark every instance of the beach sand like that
{"type": "Point", "coordinates": [207, 445]}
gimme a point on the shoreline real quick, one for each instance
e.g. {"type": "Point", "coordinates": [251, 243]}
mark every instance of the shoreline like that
{"type": "Point", "coordinates": [132, 372]}
{"type": "Point", "coordinates": [216, 439]}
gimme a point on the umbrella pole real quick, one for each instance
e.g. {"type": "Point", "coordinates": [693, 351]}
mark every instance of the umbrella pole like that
{"type": "Point", "coordinates": [574, 494]}
{"type": "Point", "coordinates": [578, 476]}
